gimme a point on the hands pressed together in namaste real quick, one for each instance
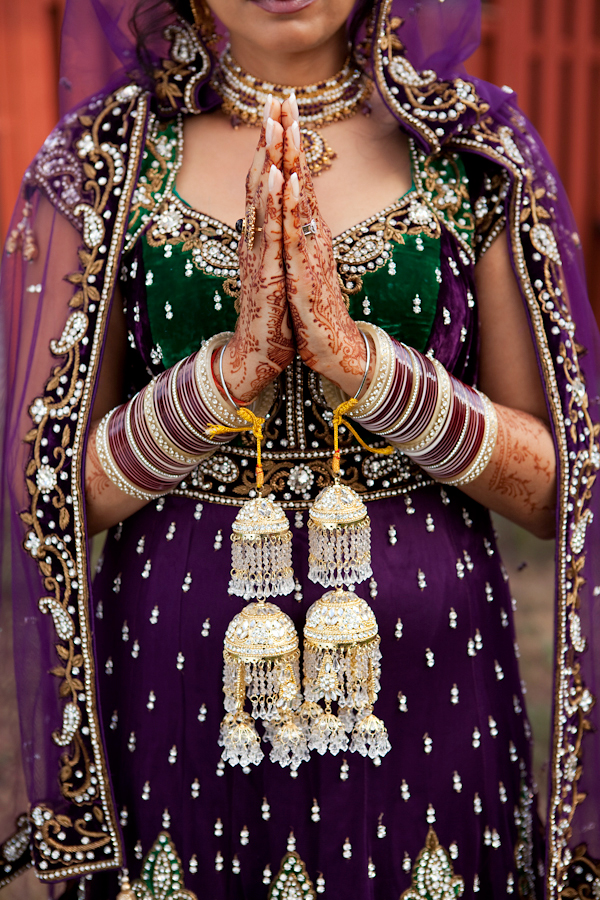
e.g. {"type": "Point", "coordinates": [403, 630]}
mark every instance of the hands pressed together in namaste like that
{"type": "Point", "coordinates": [290, 298]}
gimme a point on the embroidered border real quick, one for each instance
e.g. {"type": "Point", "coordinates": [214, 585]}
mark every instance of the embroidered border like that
{"type": "Point", "coordinates": [428, 104]}
{"type": "Point", "coordinates": [578, 462]}
{"type": "Point", "coordinates": [84, 837]}
{"type": "Point", "coordinates": [15, 855]}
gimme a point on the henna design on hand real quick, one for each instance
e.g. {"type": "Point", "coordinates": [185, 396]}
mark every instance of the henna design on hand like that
{"type": "Point", "coordinates": [327, 339]}
{"type": "Point", "coordinates": [263, 342]}
{"type": "Point", "coordinates": [97, 481]}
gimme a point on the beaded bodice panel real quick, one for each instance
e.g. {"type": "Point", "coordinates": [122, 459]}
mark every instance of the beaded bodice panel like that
{"type": "Point", "coordinates": [407, 268]}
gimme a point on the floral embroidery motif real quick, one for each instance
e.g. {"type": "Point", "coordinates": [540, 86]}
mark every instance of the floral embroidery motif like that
{"type": "Point", "coordinates": [178, 77]}
{"type": "Point", "coordinates": [584, 877]}
{"type": "Point", "coordinates": [428, 104]}
{"type": "Point", "coordinates": [162, 874]}
{"type": "Point", "coordinates": [292, 881]}
{"type": "Point", "coordinates": [433, 875]}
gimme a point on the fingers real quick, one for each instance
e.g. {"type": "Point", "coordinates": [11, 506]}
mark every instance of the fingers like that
{"type": "Point", "coordinates": [272, 227]}
{"type": "Point", "coordinates": [289, 112]}
{"type": "Point", "coordinates": [269, 148]}
{"type": "Point", "coordinates": [293, 140]}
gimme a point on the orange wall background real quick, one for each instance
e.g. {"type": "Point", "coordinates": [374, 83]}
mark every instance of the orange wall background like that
{"type": "Point", "coordinates": [546, 50]}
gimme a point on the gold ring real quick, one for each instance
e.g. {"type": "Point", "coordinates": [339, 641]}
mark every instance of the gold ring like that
{"type": "Point", "coordinates": [247, 226]}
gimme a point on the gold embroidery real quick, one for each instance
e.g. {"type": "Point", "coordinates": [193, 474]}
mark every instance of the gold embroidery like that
{"type": "Point", "coordinates": [67, 844]}
{"type": "Point", "coordinates": [428, 104]}
{"type": "Point", "coordinates": [433, 875]}
{"type": "Point", "coordinates": [15, 857]}
{"type": "Point", "coordinates": [187, 67]}
{"type": "Point", "coordinates": [584, 876]}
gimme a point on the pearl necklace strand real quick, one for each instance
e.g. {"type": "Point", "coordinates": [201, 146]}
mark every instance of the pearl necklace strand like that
{"type": "Point", "coordinates": [332, 100]}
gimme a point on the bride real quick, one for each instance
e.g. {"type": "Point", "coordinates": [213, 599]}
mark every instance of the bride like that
{"type": "Point", "coordinates": [389, 318]}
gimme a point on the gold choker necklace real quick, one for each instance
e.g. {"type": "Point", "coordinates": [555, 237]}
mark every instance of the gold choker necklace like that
{"type": "Point", "coordinates": [339, 97]}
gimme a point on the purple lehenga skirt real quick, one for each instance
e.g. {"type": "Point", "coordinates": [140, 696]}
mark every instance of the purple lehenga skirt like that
{"type": "Point", "coordinates": [450, 697]}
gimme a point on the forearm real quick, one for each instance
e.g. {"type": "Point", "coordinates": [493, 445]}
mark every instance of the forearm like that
{"type": "Point", "coordinates": [105, 503]}
{"type": "Point", "coordinates": [502, 457]}
{"type": "Point", "coordinates": [520, 480]}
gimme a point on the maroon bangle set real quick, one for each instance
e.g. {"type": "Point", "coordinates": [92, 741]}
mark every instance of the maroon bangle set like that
{"type": "Point", "coordinates": [457, 422]}
{"type": "Point", "coordinates": [155, 441]}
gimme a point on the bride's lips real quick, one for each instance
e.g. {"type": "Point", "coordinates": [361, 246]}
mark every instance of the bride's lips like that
{"type": "Point", "coordinates": [282, 6]}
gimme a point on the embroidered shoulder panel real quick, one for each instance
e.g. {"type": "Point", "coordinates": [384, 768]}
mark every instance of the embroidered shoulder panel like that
{"type": "Point", "coordinates": [77, 159]}
{"type": "Point", "coordinates": [432, 108]}
{"type": "Point", "coordinates": [179, 78]}
{"type": "Point", "coordinates": [88, 171]}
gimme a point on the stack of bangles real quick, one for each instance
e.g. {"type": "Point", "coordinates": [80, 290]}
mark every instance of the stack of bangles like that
{"type": "Point", "coordinates": [447, 428]}
{"type": "Point", "coordinates": [148, 445]}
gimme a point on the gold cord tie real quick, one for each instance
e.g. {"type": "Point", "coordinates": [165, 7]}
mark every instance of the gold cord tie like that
{"type": "Point", "coordinates": [338, 419]}
{"type": "Point", "coordinates": [256, 427]}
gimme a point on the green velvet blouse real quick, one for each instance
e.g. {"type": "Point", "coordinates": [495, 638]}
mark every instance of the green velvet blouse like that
{"type": "Point", "coordinates": [389, 263]}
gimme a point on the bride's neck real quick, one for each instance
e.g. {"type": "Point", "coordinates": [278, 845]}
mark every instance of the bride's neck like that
{"type": "Point", "coordinates": [297, 68]}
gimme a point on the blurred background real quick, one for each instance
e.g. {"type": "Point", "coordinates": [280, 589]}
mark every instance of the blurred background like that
{"type": "Point", "coordinates": [548, 51]}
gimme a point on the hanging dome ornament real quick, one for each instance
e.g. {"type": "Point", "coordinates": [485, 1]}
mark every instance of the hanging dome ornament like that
{"type": "Point", "coordinates": [341, 636]}
{"type": "Point", "coordinates": [261, 653]}
{"type": "Point", "coordinates": [261, 551]}
{"type": "Point", "coordinates": [339, 535]}
{"type": "Point", "coordinates": [262, 663]}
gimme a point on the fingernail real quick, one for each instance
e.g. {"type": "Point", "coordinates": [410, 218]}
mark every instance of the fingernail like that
{"type": "Point", "coordinates": [269, 131]}
{"type": "Point", "coordinates": [294, 105]}
{"type": "Point", "coordinates": [267, 109]}
{"type": "Point", "coordinates": [295, 186]}
{"type": "Point", "coordinates": [272, 176]}
{"type": "Point", "coordinates": [296, 135]}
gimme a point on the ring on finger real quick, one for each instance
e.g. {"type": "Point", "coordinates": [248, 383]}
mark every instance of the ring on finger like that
{"type": "Point", "coordinates": [310, 229]}
{"type": "Point", "coordinates": [247, 226]}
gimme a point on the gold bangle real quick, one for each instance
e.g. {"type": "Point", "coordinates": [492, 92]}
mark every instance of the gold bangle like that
{"type": "Point", "coordinates": [218, 408]}
{"type": "Point", "coordinates": [215, 404]}
{"type": "Point", "coordinates": [383, 372]}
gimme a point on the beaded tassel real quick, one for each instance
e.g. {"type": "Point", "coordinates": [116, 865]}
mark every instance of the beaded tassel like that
{"type": "Point", "coordinates": [261, 652]}
{"type": "Point", "coordinates": [341, 636]}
